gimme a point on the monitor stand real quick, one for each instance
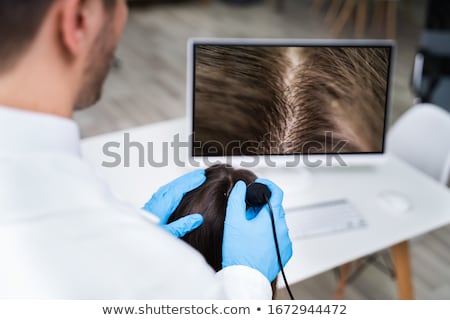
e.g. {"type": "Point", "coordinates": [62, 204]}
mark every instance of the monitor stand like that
{"type": "Point", "coordinates": [290, 180]}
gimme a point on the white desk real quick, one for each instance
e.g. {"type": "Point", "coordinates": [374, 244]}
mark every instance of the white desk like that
{"type": "Point", "coordinates": [430, 201]}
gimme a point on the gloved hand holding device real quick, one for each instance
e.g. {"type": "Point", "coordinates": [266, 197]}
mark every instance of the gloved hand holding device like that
{"type": "Point", "coordinates": [247, 238]}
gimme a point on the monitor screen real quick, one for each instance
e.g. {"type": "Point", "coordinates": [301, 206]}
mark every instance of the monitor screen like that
{"type": "Point", "coordinates": [289, 99]}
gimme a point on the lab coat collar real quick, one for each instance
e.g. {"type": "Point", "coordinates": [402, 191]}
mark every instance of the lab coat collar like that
{"type": "Point", "coordinates": [25, 132]}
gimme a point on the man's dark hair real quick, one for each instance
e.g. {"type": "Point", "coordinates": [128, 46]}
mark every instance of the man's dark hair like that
{"type": "Point", "coordinates": [20, 21]}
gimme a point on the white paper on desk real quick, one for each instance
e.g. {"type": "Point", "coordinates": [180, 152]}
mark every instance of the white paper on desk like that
{"type": "Point", "coordinates": [323, 218]}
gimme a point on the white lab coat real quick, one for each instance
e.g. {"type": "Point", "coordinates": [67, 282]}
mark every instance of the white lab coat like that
{"type": "Point", "coordinates": [64, 236]}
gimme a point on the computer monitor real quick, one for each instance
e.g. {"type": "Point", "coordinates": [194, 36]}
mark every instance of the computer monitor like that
{"type": "Point", "coordinates": [288, 102]}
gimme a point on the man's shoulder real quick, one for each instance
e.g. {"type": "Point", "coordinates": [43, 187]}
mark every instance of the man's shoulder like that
{"type": "Point", "coordinates": [102, 253]}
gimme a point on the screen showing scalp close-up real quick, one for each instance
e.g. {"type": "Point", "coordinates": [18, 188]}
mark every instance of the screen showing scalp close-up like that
{"type": "Point", "coordinates": [279, 100]}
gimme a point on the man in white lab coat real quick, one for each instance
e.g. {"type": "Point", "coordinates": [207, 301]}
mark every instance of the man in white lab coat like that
{"type": "Point", "coordinates": [62, 234]}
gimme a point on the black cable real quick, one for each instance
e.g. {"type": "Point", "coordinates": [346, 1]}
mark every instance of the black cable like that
{"type": "Point", "coordinates": [280, 263]}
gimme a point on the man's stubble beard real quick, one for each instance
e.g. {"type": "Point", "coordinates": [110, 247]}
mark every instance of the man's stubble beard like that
{"type": "Point", "coordinates": [97, 69]}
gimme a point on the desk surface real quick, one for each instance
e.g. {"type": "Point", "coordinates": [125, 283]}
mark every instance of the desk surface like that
{"type": "Point", "coordinates": [360, 185]}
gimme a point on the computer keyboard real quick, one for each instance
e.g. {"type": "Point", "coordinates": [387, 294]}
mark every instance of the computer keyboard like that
{"type": "Point", "coordinates": [323, 218]}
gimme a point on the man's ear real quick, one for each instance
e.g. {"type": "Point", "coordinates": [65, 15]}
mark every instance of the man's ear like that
{"type": "Point", "coordinates": [73, 26]}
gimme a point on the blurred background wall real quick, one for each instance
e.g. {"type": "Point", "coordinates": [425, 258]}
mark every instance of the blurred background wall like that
{"type": "Point", "coordinates": [149, 83]}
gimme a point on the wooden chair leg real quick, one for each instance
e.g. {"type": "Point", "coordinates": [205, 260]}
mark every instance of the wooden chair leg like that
{"type": "Point", "coordinates": [391, 19]}
{"type": "Point", "coordinates": [343, 17]}
{"type": "Point", "coordinates": [402, 265]}
{"type": "Point", "coordinates": [344, 272]}
{"type": "Point", "coordinates": [317, 6]}
{"type": "Point", "coordinates": [332, 12]}
{"type": "Point", "coordinates": [378, 17]}
{"type": "Point", "coordinates": [361, 17]}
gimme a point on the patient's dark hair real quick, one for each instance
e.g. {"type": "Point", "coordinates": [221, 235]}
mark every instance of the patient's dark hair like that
{"type": "Point", "coordinates": [297, 94]}
{"type": "Point", "coordinates": [210, 199]}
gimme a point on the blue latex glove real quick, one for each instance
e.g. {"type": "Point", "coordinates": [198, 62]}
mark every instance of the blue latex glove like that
{"type": "Point", "coordinates": [248, 238]}
{"type": "Point", "coordinates": [164, 202]}
{"type": "Point", "coordinates": [184, 225]}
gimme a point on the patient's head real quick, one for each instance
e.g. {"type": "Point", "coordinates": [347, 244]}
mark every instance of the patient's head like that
{"type": "Point", "coordinates": [210, 199]}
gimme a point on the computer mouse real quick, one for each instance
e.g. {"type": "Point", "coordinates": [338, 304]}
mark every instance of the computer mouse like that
{"type": "Point", "coordinates": [394, 201]}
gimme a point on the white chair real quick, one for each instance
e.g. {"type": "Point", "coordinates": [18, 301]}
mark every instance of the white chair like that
{"type": "Point", "coordinates": [421, 137]}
